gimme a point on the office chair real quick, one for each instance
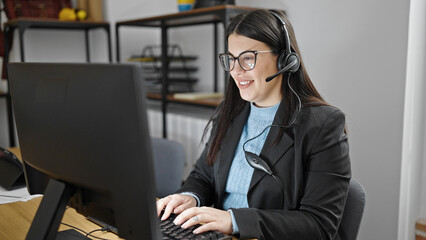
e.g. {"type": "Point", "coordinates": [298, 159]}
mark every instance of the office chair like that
{"type": "Point", "coordinates": [169, 162]}
{"type": "Point", "coordinates": [352, 214]}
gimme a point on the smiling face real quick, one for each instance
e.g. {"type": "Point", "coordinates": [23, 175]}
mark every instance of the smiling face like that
{"type": "Point", "coordinates": [252, 84]}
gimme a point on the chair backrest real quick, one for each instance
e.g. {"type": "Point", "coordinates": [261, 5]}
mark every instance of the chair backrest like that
{"type": "Point", "coordinates": [169, 162]}
{"type": "Point", "coordinates": [352, 214]}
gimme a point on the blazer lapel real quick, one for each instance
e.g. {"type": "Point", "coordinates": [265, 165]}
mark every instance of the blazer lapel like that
{"type": "Point", "coordinates": [273, 153]}
{"type": "Point", "coordinates": [227, 151]}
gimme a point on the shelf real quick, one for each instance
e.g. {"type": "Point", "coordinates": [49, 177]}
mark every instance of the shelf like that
{"type": "Point", "coordinates": [47, 23]}
{"type": "Point", "coordinates": [158, 58]}
{"type": "Point", "coordinates": [24, 23]}
{"type": "Point", "coordinates": [171, 69]}
{"type": "Point", "coordinates": [209, 15]}
{"type": "Point", "coordinates": [173, 80]}
{"type": "Point", "coordinates": [208, 102]}
{"type": "Point", "coordinates": [193, 17]}
{"type": "Point", "coordinates": [198, 95]}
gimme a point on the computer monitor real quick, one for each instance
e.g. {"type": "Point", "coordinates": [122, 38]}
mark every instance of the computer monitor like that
{"type": "Point", "coordinates": [83, 129]}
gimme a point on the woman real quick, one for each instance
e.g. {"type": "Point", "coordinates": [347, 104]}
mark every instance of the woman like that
{"type": "Point", "coordinates": [277, 164]}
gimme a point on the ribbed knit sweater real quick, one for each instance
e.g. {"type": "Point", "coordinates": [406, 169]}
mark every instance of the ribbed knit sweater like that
{"type": "Point", "coordinates": [241, 172]}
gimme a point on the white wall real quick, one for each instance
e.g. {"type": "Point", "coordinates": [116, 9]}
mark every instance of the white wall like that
{"type": "Point", "coordinates": [355, 52]}
{"type": "Point", "coordinates": [412, 205]}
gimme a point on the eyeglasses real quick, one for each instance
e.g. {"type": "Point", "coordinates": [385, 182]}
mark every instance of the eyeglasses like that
{"type": "Point", "coordinates": [247, 60]}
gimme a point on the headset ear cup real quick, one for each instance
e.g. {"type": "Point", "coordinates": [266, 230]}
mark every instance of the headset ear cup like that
{"type": "Point", "coordinates": [281, 61]}
{"type": "Point", "coordinates": [291, 58]}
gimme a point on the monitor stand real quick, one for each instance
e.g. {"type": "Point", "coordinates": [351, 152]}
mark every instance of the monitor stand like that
{"type": "Point", "coordinates": [50, 212]}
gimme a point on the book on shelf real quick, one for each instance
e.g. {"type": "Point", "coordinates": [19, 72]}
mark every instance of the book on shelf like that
{"type": "Point", "coordinates": [197, 95]}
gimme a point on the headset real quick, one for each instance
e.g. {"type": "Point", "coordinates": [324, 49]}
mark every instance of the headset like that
{"type": "Point", "coordinates": [287, 61]}
{"type": "Point", "coordinates": [291, 63]}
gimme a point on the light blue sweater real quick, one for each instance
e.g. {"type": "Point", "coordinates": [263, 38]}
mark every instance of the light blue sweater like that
{"type": "Point", "coordinates": [240, 174]}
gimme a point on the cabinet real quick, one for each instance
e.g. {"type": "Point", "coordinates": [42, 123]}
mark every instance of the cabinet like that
{"type": "Point", "coordinates": [209, 15]}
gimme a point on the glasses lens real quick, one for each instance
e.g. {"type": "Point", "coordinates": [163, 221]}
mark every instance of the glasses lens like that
{"type": "Point", "coordinates": [247, 60]}
{"type": "Point", "coordinates": [226, 61]}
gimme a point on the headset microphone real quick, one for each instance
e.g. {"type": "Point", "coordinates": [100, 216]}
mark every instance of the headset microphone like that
{"type": "Point", "coordinates": [257, 163]}
{"type": "Point", "coordinates": [285, 69]}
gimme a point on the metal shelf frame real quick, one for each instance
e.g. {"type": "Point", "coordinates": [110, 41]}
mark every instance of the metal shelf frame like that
{"type": "Point", "coordinates": [209, 15]}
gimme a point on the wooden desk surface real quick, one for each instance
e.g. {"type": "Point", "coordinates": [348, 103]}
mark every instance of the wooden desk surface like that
{"type": "Point", "coordinates": [16, 151]}
{"type": "Point", "coordinates": [16, 218]}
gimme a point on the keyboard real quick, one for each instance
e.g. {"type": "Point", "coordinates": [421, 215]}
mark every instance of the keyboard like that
{"type": "Point", "coordinates": [174, 232]}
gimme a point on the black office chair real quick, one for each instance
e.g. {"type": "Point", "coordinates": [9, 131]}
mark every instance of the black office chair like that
{"type": "Point", "coordinates": [169, 162]}
{"type": "Point", "coordinates": [353, 212]}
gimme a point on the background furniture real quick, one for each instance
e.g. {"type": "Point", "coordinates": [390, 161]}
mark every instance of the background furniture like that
{"type": "Point", "coordinates": [23, 24]}
{"type": "Point", "coordinates": [352, 215]}
{"type": "Point", "coordinates": [169, 161]}
{"type": "Point", "coordinates": [180, 69]}
{"type": "Point", "coordinates": [208, 15]}
{"type": "Point", "coordinates": [421, 229]}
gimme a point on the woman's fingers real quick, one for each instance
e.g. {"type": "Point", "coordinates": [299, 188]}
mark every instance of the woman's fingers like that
{"type": "Point", "coordinates": [209, 218]}
{"type": "Point", "coordinates": [183, 207]}
{"type": "Point", "coordinates": [161, 204]}
{"type": "Point", "coordinates": [211, 226]}
{"type": "Point", "coordinates": [175, 203]}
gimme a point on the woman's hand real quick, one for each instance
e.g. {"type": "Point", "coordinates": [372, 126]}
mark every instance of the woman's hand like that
{"type": "Point", "coordinates": [175, 203]}
{"type": "Point", "coordinates": [210, 218]}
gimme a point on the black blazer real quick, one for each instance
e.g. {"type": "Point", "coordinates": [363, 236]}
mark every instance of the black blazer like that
{"type": "Point", "coordinates": [311, 159]}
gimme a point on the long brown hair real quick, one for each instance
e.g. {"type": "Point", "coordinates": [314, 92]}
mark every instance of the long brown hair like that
{"type": "Point", "coordinates": [262, 26]}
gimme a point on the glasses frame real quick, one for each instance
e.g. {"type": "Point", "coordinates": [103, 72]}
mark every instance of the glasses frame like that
{"type": "Point", "coordinates": [238, 58]}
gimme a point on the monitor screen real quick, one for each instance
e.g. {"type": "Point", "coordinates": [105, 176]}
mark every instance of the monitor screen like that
{"type": "Point", "coordinates": [83, 133]}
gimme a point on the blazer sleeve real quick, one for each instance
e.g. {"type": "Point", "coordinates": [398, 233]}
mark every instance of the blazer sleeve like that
{"type": "Point", "coordinates": [326, 175]}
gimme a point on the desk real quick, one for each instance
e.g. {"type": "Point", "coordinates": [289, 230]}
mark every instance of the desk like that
{"type": "Point", "coordinates": [16, 218]}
